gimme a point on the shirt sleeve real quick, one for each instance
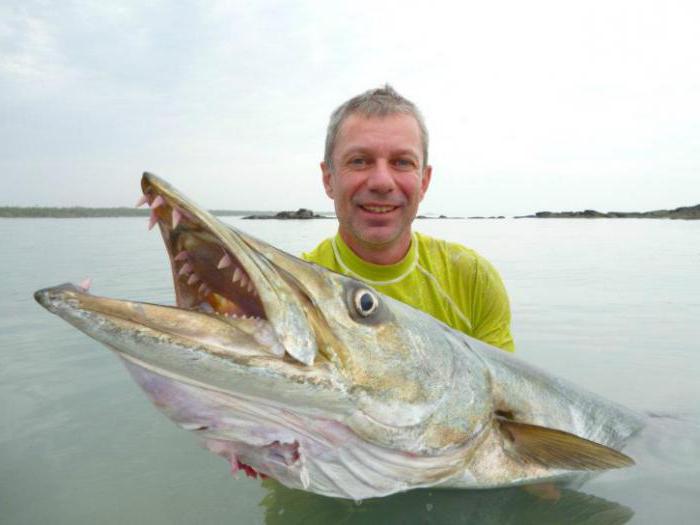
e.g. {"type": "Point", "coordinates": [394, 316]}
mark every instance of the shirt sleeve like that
{"type": "Point", "coordinates": [491, 307]}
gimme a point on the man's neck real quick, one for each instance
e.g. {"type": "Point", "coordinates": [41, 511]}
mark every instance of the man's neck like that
{"type": "Point", "coordinates": [390, 253]}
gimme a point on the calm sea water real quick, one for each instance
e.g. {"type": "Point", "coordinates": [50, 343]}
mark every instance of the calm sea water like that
{"type": "Point", "coordinates": [613, 305]}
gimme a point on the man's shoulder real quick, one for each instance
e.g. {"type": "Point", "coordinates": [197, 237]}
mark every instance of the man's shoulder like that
{"type": "Point", "coordinates": [456, 266]}
{"type": "Point", "coordinates": [434, 252]}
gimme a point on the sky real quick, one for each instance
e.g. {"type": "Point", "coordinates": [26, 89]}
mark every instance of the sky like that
{"type": "Point", "coordinates": [535, 105]}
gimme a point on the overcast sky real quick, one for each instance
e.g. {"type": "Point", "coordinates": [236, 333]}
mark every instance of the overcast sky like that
{"type": "Point", "coordinates": [531, 105]}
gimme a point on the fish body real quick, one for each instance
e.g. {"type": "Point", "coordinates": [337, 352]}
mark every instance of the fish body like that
{"type": "Point", "coordinates": [315, 379]}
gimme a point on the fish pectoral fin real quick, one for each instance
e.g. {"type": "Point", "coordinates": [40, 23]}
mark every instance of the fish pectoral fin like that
{"type": "Point", "coordinates": [558, 449]}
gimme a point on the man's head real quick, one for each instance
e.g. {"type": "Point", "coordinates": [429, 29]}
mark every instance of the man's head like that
{"type": "Point", "coordinates": [380, 102]}
{"type": "Point", "coordinates": [375, 169]}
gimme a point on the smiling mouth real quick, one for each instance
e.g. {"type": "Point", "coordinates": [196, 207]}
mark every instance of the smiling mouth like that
{"type": "Point", "coordinates": [378, 209]}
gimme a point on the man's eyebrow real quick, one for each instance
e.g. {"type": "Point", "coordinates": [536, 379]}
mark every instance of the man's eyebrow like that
{"type": "Point", "coordinates": [363, 149]}
{"type": "Point", "coordinates": [355, 149]}
{"type": "Point", "coordinates": [406, 151]}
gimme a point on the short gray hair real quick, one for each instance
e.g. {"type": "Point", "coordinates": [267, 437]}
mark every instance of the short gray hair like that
{"type": "Point", "coordinates": [380, 102]}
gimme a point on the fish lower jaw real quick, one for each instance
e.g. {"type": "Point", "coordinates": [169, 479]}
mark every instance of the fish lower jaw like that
{"type": "Point", "coordinates": [319, 453]}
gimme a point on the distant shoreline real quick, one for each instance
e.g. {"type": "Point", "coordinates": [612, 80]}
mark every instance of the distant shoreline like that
{"type": "Point", "coordinates": [77, 212]}
{"type": "Point", "coordinates": [80, 212]}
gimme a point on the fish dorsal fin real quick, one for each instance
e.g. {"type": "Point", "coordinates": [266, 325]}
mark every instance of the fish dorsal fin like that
{"type": "Point", "coordinates": [558, 449]}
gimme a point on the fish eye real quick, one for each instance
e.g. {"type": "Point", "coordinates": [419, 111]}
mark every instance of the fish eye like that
{"type": "Point", "coordinates": [366, 302]}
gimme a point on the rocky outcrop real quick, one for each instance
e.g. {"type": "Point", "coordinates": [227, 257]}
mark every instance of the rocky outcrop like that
{"type": "Point", "coordinates": [436, 217]}
{"type": "Point", "coordinates": [686, 212]}
{"type": "Point", "coordinates": [301, 213]}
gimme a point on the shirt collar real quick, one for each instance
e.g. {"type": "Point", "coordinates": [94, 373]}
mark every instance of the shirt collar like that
{"type": "Point", "coordinates": [374, 274]}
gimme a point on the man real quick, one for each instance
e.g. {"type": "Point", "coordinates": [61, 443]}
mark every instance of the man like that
{"type": "Point", "coordinates": [376, 171]}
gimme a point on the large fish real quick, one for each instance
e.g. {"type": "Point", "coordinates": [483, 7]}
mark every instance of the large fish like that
{"type": "Point", "coordinates": [312, 378]}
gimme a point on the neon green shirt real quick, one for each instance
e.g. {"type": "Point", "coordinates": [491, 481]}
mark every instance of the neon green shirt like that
{"type": "Point", "coordinates": [449, 281]}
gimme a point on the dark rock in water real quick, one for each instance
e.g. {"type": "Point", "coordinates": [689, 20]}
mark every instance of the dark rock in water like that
{"type": "Point", "coordinates": [301, 213]}
{"type": "Point", "coordinates": [686, 212]}
{"type": "Point", "coordinates": [587, 214]}
{"type": "Point", "coordinates": [436, 217]}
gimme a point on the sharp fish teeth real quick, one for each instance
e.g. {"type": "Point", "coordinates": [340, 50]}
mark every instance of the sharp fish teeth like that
{"type": "Point", "coordinates": [158, 201]}
{"type": "Point", "coordinates": [237, 274]}
{"type": "Point", "coordinates": [143, 199]}
{"type": "Point", "coordinates": [250, 287]}
{"type": "Point", "coordinates": [85, 284]}
{"type": "Point", "coordinates": [186, 268]}
{"type": "Point", "coordinates": [244, 281]}
{"type": "Point", "coordinates": [203, 288]}
{"type": "Point", "coordinates": [193, 279]}
{"type": "Point", "coordinates": [225, 262]}
{"type": "Point", "coordinates": [177, 215]}
{"type": "Point", "coordinates": [153, 220]}
{"type": "Point", "coordinates": [182, 256]}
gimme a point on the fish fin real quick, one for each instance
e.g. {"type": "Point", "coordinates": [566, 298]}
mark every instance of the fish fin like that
{"type": "Point", "coordinates": [559, 449]}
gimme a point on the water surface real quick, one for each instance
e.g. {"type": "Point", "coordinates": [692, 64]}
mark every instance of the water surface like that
{"type": "Point", "coordinates": [613, 305]}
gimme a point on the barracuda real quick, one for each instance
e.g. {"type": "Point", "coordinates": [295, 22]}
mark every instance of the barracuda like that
{"type": "Point", "coordinates": [314, 379]}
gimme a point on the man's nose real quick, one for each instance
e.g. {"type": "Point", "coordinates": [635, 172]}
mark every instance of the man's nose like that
{"type": "Point", "coordinates": [381, 178]}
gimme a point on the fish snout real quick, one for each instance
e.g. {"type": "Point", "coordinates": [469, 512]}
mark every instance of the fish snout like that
{"type": "Point", "coordinates": [53, 297]}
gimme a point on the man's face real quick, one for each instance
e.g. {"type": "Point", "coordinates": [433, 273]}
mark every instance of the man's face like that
{"type": "Point", "coordinates": [378, 180]}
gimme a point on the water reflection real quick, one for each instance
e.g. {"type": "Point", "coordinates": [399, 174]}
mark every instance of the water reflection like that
{"type": "Point", "coordinates": [514, 505]}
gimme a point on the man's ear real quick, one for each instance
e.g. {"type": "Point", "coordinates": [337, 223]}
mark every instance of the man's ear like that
{"type": "Point", "coordinates": [425, 180]}
{"type": "Point", "coordinates": [327, 179]}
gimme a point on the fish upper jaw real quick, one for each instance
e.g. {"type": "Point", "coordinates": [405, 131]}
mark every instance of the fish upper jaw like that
{"type": "Point", "coordinates": [222, 270]}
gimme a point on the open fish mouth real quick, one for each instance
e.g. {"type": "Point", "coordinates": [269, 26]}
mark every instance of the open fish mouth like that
{"type": "Point", "coordinates": [207, 276]}
{"type": "Point", "coordinates": [234, 301]}
{"type": "Point", "coordinates": [219, 270]}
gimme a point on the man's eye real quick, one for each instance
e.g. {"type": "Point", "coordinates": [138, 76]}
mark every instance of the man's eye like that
{"type": "Point", "coordinates": [358, 161]}
{"type": "Point", "coordinates": [404, 163]}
